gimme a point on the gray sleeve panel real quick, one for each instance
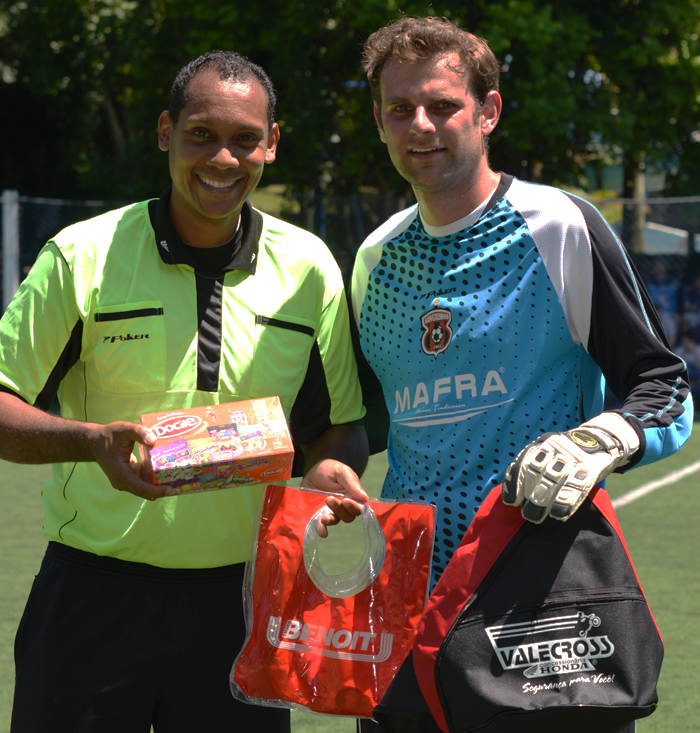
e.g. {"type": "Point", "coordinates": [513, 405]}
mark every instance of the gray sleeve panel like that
{"type": "Point", "coordinates": [558, 229]}
{"type": "Point", "coordinates": [376, 420]}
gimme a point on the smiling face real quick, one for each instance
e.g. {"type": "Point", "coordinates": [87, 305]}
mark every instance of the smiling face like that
{"type": "Point", "coordinates": [434, 128]}
{"type": "Point", "coordinates": [217, 151]}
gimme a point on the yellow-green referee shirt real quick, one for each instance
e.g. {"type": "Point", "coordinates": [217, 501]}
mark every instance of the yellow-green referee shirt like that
{"type": "Point", "coordinates": [115, 320]}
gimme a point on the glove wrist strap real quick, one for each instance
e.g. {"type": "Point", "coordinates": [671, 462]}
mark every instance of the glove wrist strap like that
{"type": "Point", "coordinates": [611, 425]}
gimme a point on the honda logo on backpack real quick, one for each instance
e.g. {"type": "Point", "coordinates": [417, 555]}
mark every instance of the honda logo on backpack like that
{"type": "Point", "coordinates": [546, 647]}
{"type": "Point", "coordinates": [336, 643]}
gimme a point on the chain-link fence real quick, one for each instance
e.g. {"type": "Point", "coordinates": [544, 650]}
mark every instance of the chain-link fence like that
{"type": "Point", "coordinates": [656, 231]}
{"type": "Point", "coordinates": [28, 222]}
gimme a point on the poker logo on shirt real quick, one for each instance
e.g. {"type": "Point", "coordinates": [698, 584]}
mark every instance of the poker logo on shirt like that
{"type": "Point", "coordinates": [438, 333]}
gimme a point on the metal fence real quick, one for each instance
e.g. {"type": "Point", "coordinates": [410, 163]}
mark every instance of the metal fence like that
{"type": "Point", "coordinates": [654, 229]}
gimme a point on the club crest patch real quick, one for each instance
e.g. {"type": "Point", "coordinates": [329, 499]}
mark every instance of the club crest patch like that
{"type": "Point", "coordinates": [438, 334]}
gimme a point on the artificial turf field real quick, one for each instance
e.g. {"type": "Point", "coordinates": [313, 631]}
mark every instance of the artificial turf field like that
{"type": "Point", "coordinates": [662, 530]}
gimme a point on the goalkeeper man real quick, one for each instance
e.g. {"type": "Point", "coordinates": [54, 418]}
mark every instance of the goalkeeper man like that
{"type": "Point", "coordinates": [491, 315]}
{"type": "Point", "coordinates": [536, 302]}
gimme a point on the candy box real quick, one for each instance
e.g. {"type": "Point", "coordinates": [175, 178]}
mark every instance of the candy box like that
{"type": "Point", "coordinates": [218, 446]}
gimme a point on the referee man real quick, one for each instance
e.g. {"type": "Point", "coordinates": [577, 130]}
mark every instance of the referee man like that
{"type": "Point", "coordinates": [195, 298]}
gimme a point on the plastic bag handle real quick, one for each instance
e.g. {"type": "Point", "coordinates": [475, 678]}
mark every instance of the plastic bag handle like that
{"type": "Point", "coordinates": [365, 571]}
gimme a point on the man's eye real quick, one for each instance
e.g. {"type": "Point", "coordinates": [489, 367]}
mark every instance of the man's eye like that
{"type": "Point", "coordinates": [199, 132]}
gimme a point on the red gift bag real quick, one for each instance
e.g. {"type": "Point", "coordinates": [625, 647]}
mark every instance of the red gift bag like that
{"type": "Point", "coordinates": [330, 644]}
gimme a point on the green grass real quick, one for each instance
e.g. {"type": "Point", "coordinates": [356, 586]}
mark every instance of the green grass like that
{"type": "Point", "coordinates": [662, 531]}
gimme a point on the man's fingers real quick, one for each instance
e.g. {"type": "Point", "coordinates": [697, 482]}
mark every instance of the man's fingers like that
{"type": "Point", "coordinates": [533, 513]}
{"type": "Point", "coordinates": [345, 510]}
{"type": "Point", "coordinates": [113, 448]}
{"type": "Point", "coordinates": [145, 436]}
{"type": "Point", "coordinates": [514, 488]}
{"type": "Point", "coordinates": [554, 474]}
{"type": "Point", "coordinates": [561, 511]}
{"type": "Point", "coordinates": [350, 485]}
{"type": "Point", "coordinates": [334, 477]}
{"type": "Point", "coordinates": [134, 483]}
{"type": "Point", "coordinates": [345, 493]}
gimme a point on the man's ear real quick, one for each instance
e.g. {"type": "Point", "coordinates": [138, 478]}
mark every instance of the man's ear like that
{"type": "Point", "coordinates": [272, 139]}
{"type": "Point", "coordinates": [378, 118]}
{"type": "Point", "coordinates": [165, 127]}
{"type": "Point", "coordinates": [490, 112]}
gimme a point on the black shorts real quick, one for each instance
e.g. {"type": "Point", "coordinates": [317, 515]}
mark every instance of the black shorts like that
{"type": "Point", "coordinates": [107, 646]}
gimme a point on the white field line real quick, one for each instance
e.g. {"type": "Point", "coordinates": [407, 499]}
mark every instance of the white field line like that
{"type": "Point", "coordinates": [645, 489]}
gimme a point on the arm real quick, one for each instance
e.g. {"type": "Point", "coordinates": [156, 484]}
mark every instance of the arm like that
{"type": "Point", "coordinates": [622, 333]}
{"type": "Point", "coordinates": [36, 353]}
{"type": "Point", "coordinates": [29, 435]}
{"type": "Point", "coordinates": [333, 464]}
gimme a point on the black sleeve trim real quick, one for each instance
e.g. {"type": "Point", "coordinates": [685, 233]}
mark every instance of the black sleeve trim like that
{"type": "Point", "coordinates": [69, 357]}
{"type": "Point", "coordinates": [377, 422]}
{"type": "Point", "coordinates": [503, 185]}
{"type": "Point", "coordinates": [124, 315]}
{"type": "Point", "coordinates": [626, 338]}
{"type": "Point", "coordinates": [265, 321]}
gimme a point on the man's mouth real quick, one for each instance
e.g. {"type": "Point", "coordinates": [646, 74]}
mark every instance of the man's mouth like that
{"type": "Point", "coordinates": [421, 151]}
{"type": "Point", "coordinates": [213, 183]}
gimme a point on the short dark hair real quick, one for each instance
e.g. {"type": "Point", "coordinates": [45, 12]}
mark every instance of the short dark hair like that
{"type": "Point", "coordinates": [231, 67]}
{"type": "Point", "coordinates": [418, 39]}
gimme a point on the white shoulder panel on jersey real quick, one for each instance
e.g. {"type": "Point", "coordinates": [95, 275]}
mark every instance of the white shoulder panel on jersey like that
{"type": "Point", "coordinates": [370, 253]}
{"type": "Point", "coordinates": [560, 234]}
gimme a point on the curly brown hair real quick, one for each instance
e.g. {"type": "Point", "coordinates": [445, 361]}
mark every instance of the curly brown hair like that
{"type": "Point", "coordinates": [418, 39]}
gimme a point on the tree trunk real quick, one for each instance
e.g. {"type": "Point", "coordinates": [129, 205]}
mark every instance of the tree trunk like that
{"type": "Point", "coordinates": [119, 134]}
{"type": "Point", "coordinates": [634, 215]}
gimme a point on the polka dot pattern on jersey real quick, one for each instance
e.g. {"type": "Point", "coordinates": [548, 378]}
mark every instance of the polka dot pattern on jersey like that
{"type": "Point", "coordinates": [471, 346]}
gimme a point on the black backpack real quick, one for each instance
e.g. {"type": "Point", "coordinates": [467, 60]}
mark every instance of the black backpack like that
{"type": "Point", "coordinates": [531, 628]}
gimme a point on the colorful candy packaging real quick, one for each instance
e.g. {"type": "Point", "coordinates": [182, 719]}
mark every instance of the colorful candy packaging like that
{"type": "Point", "coordinates": [219, 446]}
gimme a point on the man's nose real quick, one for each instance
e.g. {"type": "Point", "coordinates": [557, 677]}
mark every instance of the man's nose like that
{"type": "Point", "coordinates": [224, 157]}
{"type": "Point", "coordinates": [422, 122]}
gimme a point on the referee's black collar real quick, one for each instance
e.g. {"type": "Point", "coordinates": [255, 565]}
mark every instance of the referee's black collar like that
{"type": "Point", "coordinates": [173, 251]}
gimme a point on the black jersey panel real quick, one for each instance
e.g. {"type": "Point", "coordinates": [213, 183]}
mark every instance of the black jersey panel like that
{"type": "Point", "coordinates": [69, 357]}
{"type": "Point", "coordinates": [626, 337]}
{"type": "Point", "coordinates": [311, 414]}
{"type": "Point", "coordinates": [209, 304]}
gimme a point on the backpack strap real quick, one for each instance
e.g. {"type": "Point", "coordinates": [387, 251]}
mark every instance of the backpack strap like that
{"type": "Point", "coordinates": [489, 533]}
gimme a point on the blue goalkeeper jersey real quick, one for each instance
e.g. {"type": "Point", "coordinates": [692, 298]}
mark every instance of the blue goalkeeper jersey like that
{"type": "Point", "coordinates": [481, 335]}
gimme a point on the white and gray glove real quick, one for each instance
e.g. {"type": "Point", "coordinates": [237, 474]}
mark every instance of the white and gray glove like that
{"type": "Point", "coordinates": [553, 475]}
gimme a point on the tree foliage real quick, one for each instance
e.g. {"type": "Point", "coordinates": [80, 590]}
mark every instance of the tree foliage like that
{"type": "Point", "coordinates": [585, 85]}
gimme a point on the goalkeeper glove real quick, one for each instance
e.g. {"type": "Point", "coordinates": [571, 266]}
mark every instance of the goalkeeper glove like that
{"type": "Point", "coordinates": [554, 474]}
